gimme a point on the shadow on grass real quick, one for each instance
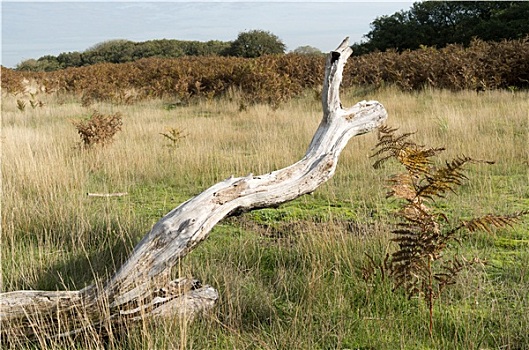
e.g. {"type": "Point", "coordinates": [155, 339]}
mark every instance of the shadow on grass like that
{"type": "Point", "coordinates": [79, 268]}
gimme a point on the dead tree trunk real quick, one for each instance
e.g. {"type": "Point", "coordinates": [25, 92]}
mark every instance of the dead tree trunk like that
{"type": "Point", "coordinates": [141, 287]}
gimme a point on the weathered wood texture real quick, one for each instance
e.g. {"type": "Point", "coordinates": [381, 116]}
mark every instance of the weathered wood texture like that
{"type": "Point", "coordinates": [141, 287]}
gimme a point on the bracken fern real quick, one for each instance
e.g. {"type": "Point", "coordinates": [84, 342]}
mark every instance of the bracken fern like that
{"type": "Point", "coordinates": [99, 129]}
{"type": "Point", "coordinates": [420, 264]}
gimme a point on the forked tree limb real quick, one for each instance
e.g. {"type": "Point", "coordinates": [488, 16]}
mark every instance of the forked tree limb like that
{"type": "Point", "coordinates": [141, 287]}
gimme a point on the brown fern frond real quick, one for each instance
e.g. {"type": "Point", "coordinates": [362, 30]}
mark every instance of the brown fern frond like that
{"type": "Point", "coordinates": [390, 145]}
{"type": "Point", "coordinates": [385, 129]}
{"type": "Point", "coordinates": [487, 222]}
{"type": "Point", "coordinates": [414, 157]}
{"type": "Point", "coordinates": [406, 232]}
{"type": "Point", "coordinates": [444, 179]}
{"type": "Point", "coordinates": [406, 256]}
{"type": "Point", "coordinates": [378, 163]}
{"type": "Point", "coordinates": [409, 277]}
{"type": "Point", "coordinates": [417, 159]}
{"type": "Point", "coordinates": [406, 241]}
{"type": "Point", "coordinates": [449, 272]}
{"type": "Point", "coordinates": [391, 149]}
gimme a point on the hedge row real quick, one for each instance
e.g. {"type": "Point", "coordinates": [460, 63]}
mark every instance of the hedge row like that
{"type": "Point", "coordinates": [274, 79]}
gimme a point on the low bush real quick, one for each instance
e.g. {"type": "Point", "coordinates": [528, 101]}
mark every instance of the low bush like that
{"type": "Point", "coordinates": [99, 129]}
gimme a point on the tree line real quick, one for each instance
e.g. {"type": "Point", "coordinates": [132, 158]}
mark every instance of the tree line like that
{"type": "Point", "coordinates": [274, 79]}
{"type": "Point", "coordinates": [249, 44]}
{"type": "Point", "coordinates": [429, 23]}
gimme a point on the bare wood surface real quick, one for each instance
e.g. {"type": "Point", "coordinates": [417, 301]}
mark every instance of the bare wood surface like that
{"type": "Point", "coordinates": [117, 194]}
{"type": "Point", "coordinates": [141, 287]}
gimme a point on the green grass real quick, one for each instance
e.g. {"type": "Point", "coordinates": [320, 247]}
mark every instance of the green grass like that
{"type": "Point", "coordinates": [288, 278]}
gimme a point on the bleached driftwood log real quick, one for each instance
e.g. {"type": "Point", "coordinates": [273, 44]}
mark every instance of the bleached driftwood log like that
{"type": "Point", "coordinates": [141, 287]}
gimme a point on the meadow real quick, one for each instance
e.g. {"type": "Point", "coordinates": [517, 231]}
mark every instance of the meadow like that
{"type": "Point", "coordinates": [289, 277]}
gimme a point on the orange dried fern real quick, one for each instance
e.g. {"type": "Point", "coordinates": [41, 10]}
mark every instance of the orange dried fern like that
{"type": "Point", "coordinates": [99, 129]}
{"type": "Point", "coordinates": [420, 264]}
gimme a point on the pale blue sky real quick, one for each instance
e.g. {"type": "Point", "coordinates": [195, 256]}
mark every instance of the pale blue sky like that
{"type": "Point", "coordinates": [35, 29]}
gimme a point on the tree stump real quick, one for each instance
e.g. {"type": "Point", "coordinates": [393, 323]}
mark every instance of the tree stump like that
{"type": "Point", "coordinates": [141, 288]}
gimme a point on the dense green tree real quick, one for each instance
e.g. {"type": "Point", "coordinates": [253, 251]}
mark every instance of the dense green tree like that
{"type": "Point", "coordinates": [31, 65]}
{"type": "Point", "coordinates": [44, 64]}
{"type": "Point", "coordinates": [121, 51]}
{"type": "Point", "coordinates": [113, 51]}
{"type": "Point", "coordinates": [508, 23]}
{"type": "Point", "coordinates": [158, 48]}
{"type": "Point", "coordinates": [255, 43]}
{"type": "Point", "coordinates": [307, 50]}
{"type": "Point", "coordinates": [70, 59]}
{"type": "Point", "coordinates": [214, 47]}
{"type": "Point", "coordinates": [438, 23]}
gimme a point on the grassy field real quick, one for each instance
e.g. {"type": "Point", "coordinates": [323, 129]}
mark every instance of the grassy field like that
{"type": "Point", "coordinates": [288, 278]}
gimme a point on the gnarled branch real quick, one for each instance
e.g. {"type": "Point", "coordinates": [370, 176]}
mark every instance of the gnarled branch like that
{"type": "Point", "coordinates": [141, 287]}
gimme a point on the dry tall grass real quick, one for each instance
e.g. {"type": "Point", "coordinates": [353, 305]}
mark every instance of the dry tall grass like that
{"type": "Point", "coordinates": [55, 237]}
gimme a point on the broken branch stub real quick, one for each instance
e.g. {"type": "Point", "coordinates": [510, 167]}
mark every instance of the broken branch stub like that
{"type": "Point", "coordinates": [141, 287]}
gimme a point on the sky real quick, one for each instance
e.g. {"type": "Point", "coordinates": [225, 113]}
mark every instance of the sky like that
{"type": "Point", "coordinates": [38, 28]}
